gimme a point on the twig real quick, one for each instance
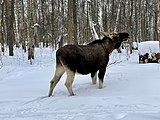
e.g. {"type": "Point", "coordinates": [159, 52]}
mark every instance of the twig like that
{"type": "Point", "coordinates": [113, 63]}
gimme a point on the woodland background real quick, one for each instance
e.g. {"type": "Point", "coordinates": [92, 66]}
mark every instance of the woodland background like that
{"type": "Point", "coordinates": [27, 23]}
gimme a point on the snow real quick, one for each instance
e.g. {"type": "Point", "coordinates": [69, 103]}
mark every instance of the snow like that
{"type": "Point", "coordinates": [148, 47]}
{"type": "Point", "coordinates": [135, 45]}
{"type": "Point", "coordinates": [131, 90]}
{"type": "Point", "coordinates": [35, 25]}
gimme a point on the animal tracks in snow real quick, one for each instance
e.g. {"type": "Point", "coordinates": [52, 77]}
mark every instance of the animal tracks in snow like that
{"type": "Point", "coordinates": [112, 108]}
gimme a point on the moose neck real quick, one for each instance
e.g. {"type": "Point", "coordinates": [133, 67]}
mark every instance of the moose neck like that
{"type": "Point", "coordinates": [108, 46]}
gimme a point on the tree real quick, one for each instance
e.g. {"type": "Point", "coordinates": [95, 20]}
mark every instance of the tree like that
{"type": "Point", "coordinates": [158, 19]}
{"type": "Point", "coordinates": [29, 32]}
{"type": "Point", "coordinates": [2, 26]}
{"type": "Point", "coordinates": [70, 22]}
{"type": "Point", "coordinates": [10, 18]}
{"type": "Point", "coordinates": [156, 22]}
{"type": "Point", "coordinates": [53, 22]}
{"type": "Point", "coordinates": [17, 20]}
{"type": "Point", "coordinates": [23, 31]}
{"type": "Point", "coordinates": [75, 21]}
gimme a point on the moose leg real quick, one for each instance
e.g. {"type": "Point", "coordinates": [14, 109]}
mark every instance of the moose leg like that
{"type": "Point", "coordinates": [58, 73]}
{"type": "Point", "coordinates": [101, 76]}
{"type": "Point", "coordinates": [94, 77]}
{"type": "Point", "coordinates": [69, 81]}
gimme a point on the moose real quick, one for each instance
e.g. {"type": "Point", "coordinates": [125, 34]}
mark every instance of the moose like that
{"type": "Point", "coordinates": [86, 59]}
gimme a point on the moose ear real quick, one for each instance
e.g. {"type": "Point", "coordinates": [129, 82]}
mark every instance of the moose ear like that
{"type": "Point", "coordinates": [110, 35]}
{"type": "Point", "coordinates": [105, 33]}
{"type": "Point", "coordinates": [113, 35]}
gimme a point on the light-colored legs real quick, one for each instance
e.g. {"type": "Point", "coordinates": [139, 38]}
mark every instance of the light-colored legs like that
{"type": "Point", "coordinates": [100, 75]}
{"type": "Point", "coordinates": [58, 73]}
{"type": "Point", "coordinates": [94, 77]}
{"type": "Point", "coordinates": [100, 83]}
{"type": "Point", "coordinates": [60, 69]}
{"type": "Point", "coordinates": [69, 80]}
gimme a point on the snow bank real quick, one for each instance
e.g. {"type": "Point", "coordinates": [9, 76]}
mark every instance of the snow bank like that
{"type": "Point", "coordinates": [148, 47]}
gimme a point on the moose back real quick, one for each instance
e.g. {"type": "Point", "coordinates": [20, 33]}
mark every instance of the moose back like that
{"type": "Point", "coordinates": [85, 59]}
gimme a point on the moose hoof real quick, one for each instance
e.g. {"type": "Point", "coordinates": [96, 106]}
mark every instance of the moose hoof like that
{"type": "Point", "coordinates": [100, 84]}
{"type": "Point", "coordinates": [72, 94]}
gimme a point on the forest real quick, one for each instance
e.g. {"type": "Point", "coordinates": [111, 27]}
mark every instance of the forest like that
{"type": "Point", "coordinates": [31, 23]}
{"type": "Point", "coordinates": [37, 28]}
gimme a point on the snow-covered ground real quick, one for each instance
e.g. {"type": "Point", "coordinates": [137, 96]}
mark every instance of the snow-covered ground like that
{"type": "Point", "coordinates": [131, 90]}
{"type": "Point", "coordinates": [148, 47]}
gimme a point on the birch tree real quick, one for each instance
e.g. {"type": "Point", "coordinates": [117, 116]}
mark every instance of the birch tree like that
{"type": "Point", "coordinates": [100, 15]}
{"type": "Point", "coordinates": [91, 21]}
{"type": "Point", "coordinates": [118, 16]}
{"type": "Point", "coordinates": [57, 22]}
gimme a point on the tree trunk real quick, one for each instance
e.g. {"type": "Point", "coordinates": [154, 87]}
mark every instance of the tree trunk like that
{"type": "Point", "coordinates": [30, 39]}
{"type": "Point", "coordinates": [100, 13]}
{"type": "Point", "coordinates": [75, 21]}
{"type": "Point", "coordinates": [2, 27]}
{"type": "Point", "coordinates": [117, 17]}
{"type": "Point", "coordinates": [35, 24]}
{"type": "Point", "coordinates": [23, 28]}
{"type": "Point", "coordinates": [159, 20]}
{"type": "Point", "coordinates": [17, 18]}
{"type": "Point", "coordinates": [156, 23]}
{"type": "Point", "coordinates": [54, 43]}
{"type": "Point", "coordinates": [70, 23]}
{"type": "Point", "coordinates": [136, 22]}
{"type": "Point", "coordinates": [43, 21]}
{"type": "Point", "coordinates": [131, 25]}
{"type": "Point", "coordinates": [9, 4]}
